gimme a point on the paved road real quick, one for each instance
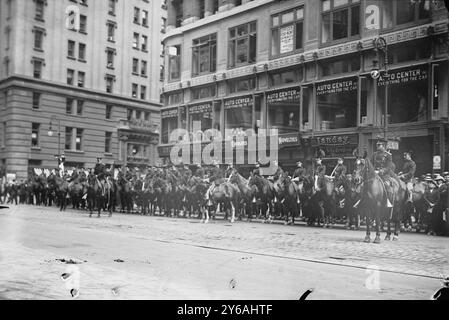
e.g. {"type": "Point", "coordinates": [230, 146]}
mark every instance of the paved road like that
{"type": "Point", "coordinates": [166, 258]}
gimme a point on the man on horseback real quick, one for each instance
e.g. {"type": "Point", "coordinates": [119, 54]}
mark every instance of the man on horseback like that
{"type": "Point", "coordinates": [300, 173]}
{"type": "Point", "coordinates": [199, 171]}
{"type": "Point", "coordinates": [408, 173]}
{"type": "Point", "coordinates": [99, 172]}
{"type": "Point", "coordinates": [383, 162]}
{"type": "Point", "coordinates": [216, 178]}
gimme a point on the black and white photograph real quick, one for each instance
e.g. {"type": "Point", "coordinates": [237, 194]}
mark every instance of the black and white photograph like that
{"type": "Point", "coordinates": [224, 150]}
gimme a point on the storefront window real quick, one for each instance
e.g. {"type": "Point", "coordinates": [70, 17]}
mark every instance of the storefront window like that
{"type": "Point", "coordinates": [307, 107]}
{"type": "Point", "coordinates": [174, 98]}
{"type": "Point", "coordinates": [336, 104]}
{"type": "Point", "coordinates": [340, 20]}
{"type": "Point", "coordinates": [240, 85]}
{"type": "Point", "coordinates": [407, 94]}
{"type": "Point", "coordinates": [169, 120]}
{"type": "Point", "coordinates": [203, 92]}
{"type": "Point", "coordinates": [283, 110]}
{"type": "Point", "coordinates": [287, 32]}
{"type": "Point", "coordinates": [238, 114]}
{"type": "Point", "coordinates": [200, 117]}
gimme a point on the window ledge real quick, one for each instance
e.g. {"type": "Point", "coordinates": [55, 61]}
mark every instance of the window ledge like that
{"type": "Point", "coordinates": [36, 149]}
{"type": "Point", "coordinates": [82, 60]}
{"type": "Point", "coordinates": [146, 51]}
{"type": "Point", "coordinates": [38, 49]}
{"type": "Point", "coordinates": [135, 74]}
{"type": "Point", "coordinates": [74, 151]}
{"type": "Point", "coordinates": [144, 75]}
{"type": "Point", "coordinates": [39, 19]}
{"type": "Point", "coordinates": [108, 154]}
{"type": "Point", "coordinates": [71, 58]}
{"type": "Point", "coordinates": [110, 68]}
{"type": "Point", "coordinates": [136, 49]}
{"type": "Point", "coordinates": [83, 32]}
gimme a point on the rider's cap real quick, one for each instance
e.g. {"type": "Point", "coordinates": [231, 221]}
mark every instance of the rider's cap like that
{"type": "Point", "coordinates": [340, 159]}
{"type": "Point", "coordinates": [439, 178]}
{"type": "Point", "coordinates": [445, 173]}
{"type": "Point", "coordinates": [298, 162]}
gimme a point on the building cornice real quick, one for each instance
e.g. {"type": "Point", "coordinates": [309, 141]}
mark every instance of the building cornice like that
{"type": "Point", "coordinates": [399, 36]}
{"type": "Point", "coordinates": [82, 93]}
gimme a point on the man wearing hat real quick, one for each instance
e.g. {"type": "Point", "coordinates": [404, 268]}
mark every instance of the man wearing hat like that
{"type": "Point", "coordinates": [443, 293]}
{"type": "Point", "coordinates": [407, 174]}
{"type": "Point", "coordinates": [256, 170]}
{"type": "Point", "coordinates": [340, 173]}
{"type": "Point", "coordinates": [216, 178]}
{"type": "Point", "coordinates": [431, 197]}
{"type": "Point", "coordinates": [300, 172]}
{"type": "Point", "coordinates": [383, 161]}
{"type": "Point", "coordinates": [199, 172]}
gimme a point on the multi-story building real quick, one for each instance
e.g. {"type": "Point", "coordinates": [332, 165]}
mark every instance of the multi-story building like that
{"type": "Point", "coordinates": [79, 78]}
{"type": "Point", "coordinates": [309, 69]}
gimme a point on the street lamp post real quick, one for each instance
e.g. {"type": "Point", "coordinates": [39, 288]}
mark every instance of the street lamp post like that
{"type": "Point", "coordinates": [381, 44]}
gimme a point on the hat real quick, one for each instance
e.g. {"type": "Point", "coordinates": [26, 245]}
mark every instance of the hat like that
{"type": "Point", "coordinates": [98, 159]}
{"type": "Point", "coordinates": [408, 152]}
{"type": "Point", "coordinates": [340, 159]}
{"type": "Point", "coordinates": [439, 178]}
{"type": "Point", "coordinates": [428, 179]}
{"type": "Point", "coordinates": [257, 164]}
{"type": "Point", "coordinates": [445, 173]}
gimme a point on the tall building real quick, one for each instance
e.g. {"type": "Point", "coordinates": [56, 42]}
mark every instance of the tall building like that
{"type": "Point", "coordinates": [79, 78]}
{"type": "Point", "coordinates": [322, 72]}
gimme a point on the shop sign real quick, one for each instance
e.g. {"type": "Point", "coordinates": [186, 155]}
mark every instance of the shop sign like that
{"type": "Point", "coordinates": [172, 113]}
{"type": "Point", "coordinates": [392, 145]}
{"type": "Point", "coordinates": [338, 145]}
{"type": "Point", "coordinates": [289, 139]}
{"type": "Point", "coordinates": [290, 95]}
{"type": "Point", "coordinates": [200, 108]}
{"type": "Point", "coordinates": [238, 103]}
{"type": "Point", "coordinates": [337, 86]}
{"type": "Point", "coordinates": [436, 162]}
{"type": "Point", "coordinates": [287, 39]}
{"type": "Point", "coordinates": [404, 75]}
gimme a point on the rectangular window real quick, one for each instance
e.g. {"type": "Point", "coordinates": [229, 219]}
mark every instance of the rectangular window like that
{"type": "Point", "coordinates": [136, 41]}
{"type": "Point", "coordinates": [110, 53]}
{"type": "Point", "coordinates": [70, 76]}
{"type": "Point", "coordinates": [143, 71]}
{"type": "Point", "coordinates": [39, 9]}
{"type": "Point", "coordinates": [138, 114]}
{"type": "Point", "coordinates": [143, 92]}
{"type": "Point", "coordinates": [144, 42]}
{"type": "Point", "coordinates": [174, 98]}
{"type": "Point", "coordinates": [136, 15]}
{"type": "Point", "coordinates": [79, 107]}
{"type": "Point", "coordinates": [81, 79]}
{"type": "Point", "coordinates": [174, 62]}
{"type": "Point", "coordinates": [38, 36]}
{"type": "Point", "coordinates": [203, 92]}
{"type": "Point", "coordinates": [169, 122]}
{"type": "Point", "coordinates": [35, 135]}
{"type": "Point", "coordinates": [341, 65]}
{"type": "Point", "coordinates": [82, 51]}
{"type": "Point", "coordinates": [37, 72]}
{"type": "Point", "coordinates": [134, 90]}
{"type": "Point", "coordinates": [287, 32]}
{"type": "Point", "coordinates": [83, 24]}
{"type": "Point", "coordinates": [283, 110]}
{"type": "Point", "coordinates": [109, 112]}
{"type": "Point", "coordinates": [108, 142]}
{"type": "Point", "coordinates": [129, 114]}
{"type": "Point", "coordinates": [285, 77]}
{"type": "Point", "coordinates": [395, 13]}
{"type": "Point", "coordinates": [241, 85]}
{"type": "Point", "coordinates": [109, 84]}
{"type": "Point", "coordinates": [68, 138]}
{"type": "Point", "coordinates": [79, 139]}
{"type": "Point", "coordinates": [339, 20]}
{"type": "Point", "coordinates": [71, 49]}
{"type": "Point", "coordinates": [242, 44]}
{"type": "Point", "coordinates": [69, 106]}
{"type": "Point", "coordinates": [147, 116]}
{"type": "Point", "coordinates": [204, 54]}
{"type": "Point", "coordinates": [111, 31]}
{"type": "Point", "coordinates": [111, 7]}
{"type": "Point", "coordinates": [135, 66]}
{"type": "Point", "coordinates": [145, 18]}
{"type": "Point", "coordinates": [36, 100]}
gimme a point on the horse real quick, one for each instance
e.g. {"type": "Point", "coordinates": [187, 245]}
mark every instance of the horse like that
{"type": "Point", "coordinates": [225, 193]}
{"type": "Point", "coordinates": [76, 192]}
{"type": "Point", "coordinates": [374, 199]}
{"type": "Point", "coordinates": [2, 190]}
{"type": "Point", "coordinates": [193, 196]}
{"type": "Point", "coordinates": [264, 194]}
{"type": "Point", "coordinates": [99, 195]}
{"type": "Point", "coordinates": [247, 192]}
{"type": "Point", "coordinates": [61, 191]}
{"type": "Point", "coordinates": [124, 189]}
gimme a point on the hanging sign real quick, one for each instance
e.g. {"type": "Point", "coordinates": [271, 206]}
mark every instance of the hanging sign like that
{"type": "Point", "coordinates": [290, 95]}
{"type": "Point", "coordinates": [172, 113]}
{"type": "Point", "coordinates": [404, 75]}
{"type": "Point", "coordinates": [200, 108]}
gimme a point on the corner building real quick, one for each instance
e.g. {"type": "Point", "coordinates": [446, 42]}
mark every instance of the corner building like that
{"type": "Point", "coordinates": [79, 78]}
{"type": "Point", "coordinates": [305, 68]}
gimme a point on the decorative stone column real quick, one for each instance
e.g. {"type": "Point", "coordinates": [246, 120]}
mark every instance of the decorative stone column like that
{"type": "Point", "coordinates": [208, 8]}
{"type": "Point", "coordinates": [191, 11]}
{"type": "Point", "coordinates": [171, 15]}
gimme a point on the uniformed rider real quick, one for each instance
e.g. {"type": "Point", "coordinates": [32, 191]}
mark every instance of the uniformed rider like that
{"type": "Point", "coordinates": [408, 173]}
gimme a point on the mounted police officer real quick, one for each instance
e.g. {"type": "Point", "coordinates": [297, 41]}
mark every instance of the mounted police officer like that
{"type": "Point", "coordinates": [300, 173]}
{"type": "Point", "coordinates": [279, 172]}
{"type": "Point", "coordinates": [383, 162]}
{"type": "Point", "coordinates": [216, 178]}
{"type": "Point", "coordinates": [408, 173]}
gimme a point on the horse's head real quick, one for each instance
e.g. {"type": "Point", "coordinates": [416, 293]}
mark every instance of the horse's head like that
{"type": "Point", "coordinates": [359, 171]}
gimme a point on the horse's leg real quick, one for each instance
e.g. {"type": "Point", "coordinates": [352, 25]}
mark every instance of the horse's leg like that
{"type": "Point", "coordinates": [232, 211]}
{"type": "Point", "coordinates": [369, 213]}
{"type": "Point", "coordinates": [389, 212]}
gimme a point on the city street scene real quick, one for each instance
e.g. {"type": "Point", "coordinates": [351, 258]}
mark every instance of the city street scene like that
{"type": "Point", "coordinates": [224, 149]}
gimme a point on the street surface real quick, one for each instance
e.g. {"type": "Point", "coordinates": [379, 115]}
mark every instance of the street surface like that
{"type": "Point", "coordinates": [167, 258]}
